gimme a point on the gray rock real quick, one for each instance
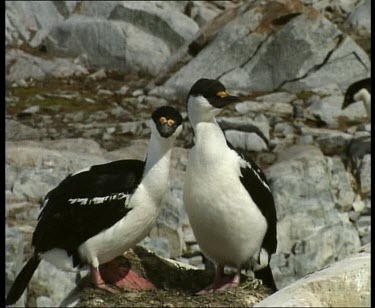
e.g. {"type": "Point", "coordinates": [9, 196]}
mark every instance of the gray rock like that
{"type": "Point", "coordinates": [100, 9]}
{"type": "Point", "coordinates": [283, 129]}
{"type": "Point", "coordinates": [280, 97]}
{"type": "Point", "coordinates": [341, 184]}
{"type": "Point", "coordinates": [359, 147]}
{"type": "Point", "coordinates": [98, 116]}
{"type": "Point", "coordinates": [245, 141]}
{"type": "Point", "coordinates": [171, 26]}
{"type": "Point", "coordinates": [24, 18]}
{"type": "Point", "coordinates": [137, 92]}
{"type": "Point", "coordinates": [305, 140]}
{"type": "Point", "coordinates": [159, 245]}
{"type": "Point", "coordinates": [334, 68]}
{"type": "Point", "coordinates": [134, 128]}
{"type": "Point", "coordinates": [44, 301]}
{"type": "Point", "coordinates": [122, 91]}
{"type": "Point", "coordinates": [358, 204]}
{"type": "Point", "coordinates": [100, 74]}
{"type": "Point", "coordinates": [328, 110]}
{"type": "Point", "coordinates": [21, 66]}
{"type": "Point", "coordinates": [301, 185]}
{"type": "Point", "coordinates": [363, 225]}
{"type": "Point", "coordinates": [76, 145]}
{"type": "Point", "coordinates": [360, 18]}
{"type": "Point", "coordinates": [155, 102]}
{"type": "Point", "coordinates": [32, 110]}
{"type": "Point", "coordinates": [73, 117]}
{"type": "Point", "coordinates": [18, 131]}
{"type": "Point", "coordinates": [231, 47]}
{"type": "Point", "coordinates": [12, 99]}
{"type": "Point", "coordinates": [258, 124]}
{"type": "Point", "coordinates": [274, 108]}
{"type": "Point", "coordinates": [45, 278]}
{"type": "Point", "coordinates": [353, 215]}
{"type": "Point", "coordinates": [104, 92]}
{"type": "Point", "coordinates": [345, 283]}
{"type": "Point", "coordinates": [167, 93]}
{"type": "Point", "coordinates": [335, 142]}
{"type": "Point", "coordinates": [365, 175]}
{"type": "Point", "coordinates": [118, 51]}
{"type": "Point", "coordinates": [203, 11]}
{"type": "Point", "coordinates": [118, 111]}
{"type": "Point", "coordinates": [304, 53]}
{"type": "Point", "coordinates": [13, 258]}
{"type": "Point", "coordinates": [136, 149]}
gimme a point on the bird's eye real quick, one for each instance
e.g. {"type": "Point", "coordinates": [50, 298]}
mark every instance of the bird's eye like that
{"type": "Point", "coordinates": [170, 122]}
{"type": "Point", "coordinates": [163, 120]}
{"type": "Point", "coordinates": [222, 94]}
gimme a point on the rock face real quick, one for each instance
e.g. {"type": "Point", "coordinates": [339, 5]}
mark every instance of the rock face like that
{"type": "Point", "coordinates": [345, 283]}
{"type": "Point", "coordinates": [276, 46]}
{"type": "Point", "coordinates": [128, 36]}
{"type": "Point", "coordinates": [22, 66]}
{"type": "Point", "coordinates": [360, 18]}
{"type": "Point", "coordinates": [27, 21]}
{"type": "Point", "coordinates": [300, 182]}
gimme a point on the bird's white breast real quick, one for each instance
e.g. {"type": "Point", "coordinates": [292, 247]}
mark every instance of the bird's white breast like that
{"type": "Point", "coordinates": [227, 224]}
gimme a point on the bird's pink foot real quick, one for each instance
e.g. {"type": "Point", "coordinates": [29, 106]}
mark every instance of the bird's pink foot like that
{"type": "Point", "coordinates": [124, 278]}
{"type": "Point", "coordinates": [99, 283]}
{"type": "Point", "coordinates": [221, 284]}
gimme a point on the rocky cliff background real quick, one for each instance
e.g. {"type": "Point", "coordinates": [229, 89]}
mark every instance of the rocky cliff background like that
{"type": "Point", "coordinates": [82, 79]}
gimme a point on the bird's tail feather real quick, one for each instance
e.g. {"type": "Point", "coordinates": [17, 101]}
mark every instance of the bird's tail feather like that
{"type": "Point", "coordinates": [22, 280]}
{"type": "Point", "coordinates": [265, 274]}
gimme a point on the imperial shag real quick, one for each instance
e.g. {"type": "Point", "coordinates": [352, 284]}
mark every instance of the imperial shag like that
{"type": "Point", "coordinates": [227, 197]}
{"type": "Point", "coordinates": [96, 214]}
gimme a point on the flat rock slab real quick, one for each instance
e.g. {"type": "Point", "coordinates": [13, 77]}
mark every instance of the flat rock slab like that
{"type": "Point", "coordinates": [342, 284]}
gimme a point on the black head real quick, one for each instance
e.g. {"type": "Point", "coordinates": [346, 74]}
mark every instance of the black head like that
{"type": "Point", "coordinates": [167, 120]}
{"type": "Point", "coordinates": [353, 89]}
{"type": "Point", "coordinates": [214, 91]}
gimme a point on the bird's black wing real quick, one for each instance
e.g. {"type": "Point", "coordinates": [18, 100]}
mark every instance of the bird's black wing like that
{"type": "Point", "coordinates": [256, 183]}
{"type": "Point", "coordinates": [85, 203]}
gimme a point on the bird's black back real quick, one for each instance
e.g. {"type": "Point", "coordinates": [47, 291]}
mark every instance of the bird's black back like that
{"type": "Point", "coordinates": [72, 212]}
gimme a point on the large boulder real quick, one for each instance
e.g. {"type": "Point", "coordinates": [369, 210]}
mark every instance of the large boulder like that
{"type": "Point", "coordinates": [274, 46]}
{"type": "Point", "coordinates": [29, 20]}
{"type": "Point", "coordinates": [113, 44]}
{"type": "Point", "coordinates": [360, 18]}
{"type": "Point", "coordinates": [345, 283]}
{"type": "Point", "coordinates": [311, 231]}
{"type": "Point", "coordinates": [22, 66]}
{"type": "Point", "coordinates": [171, 26]}
{"type": "Point", "coordinates": [125, 36]}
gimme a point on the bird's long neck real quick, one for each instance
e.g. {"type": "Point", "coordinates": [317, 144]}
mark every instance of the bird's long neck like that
{"type": "Point", "coordinates": [365, 97]}
{"type": "Point", "coordinates": [209, 138]}
{"type": "Point", "coordinates": [156, 173]}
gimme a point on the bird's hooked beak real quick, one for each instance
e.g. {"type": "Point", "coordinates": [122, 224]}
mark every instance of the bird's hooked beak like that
{"type": "Point", "coordinates": [225, 99]}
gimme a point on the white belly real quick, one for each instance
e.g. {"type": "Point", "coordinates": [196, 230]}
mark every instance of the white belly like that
{"type": "Point", "coordinates": [228, 226]}
{"type": "Point", "coordinates": [125, 234]}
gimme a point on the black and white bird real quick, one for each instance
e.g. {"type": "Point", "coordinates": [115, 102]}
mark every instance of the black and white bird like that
{"type": "Point", "coordinates": [96, 214]}
{"type": "Point", "coordinates": [359, 91]}
{"type": "Point", "coordinates": [227, 198]}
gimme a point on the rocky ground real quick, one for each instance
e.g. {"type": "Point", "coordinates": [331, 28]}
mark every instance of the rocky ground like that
{"type": "Point", "coordinates": [72, 102]}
